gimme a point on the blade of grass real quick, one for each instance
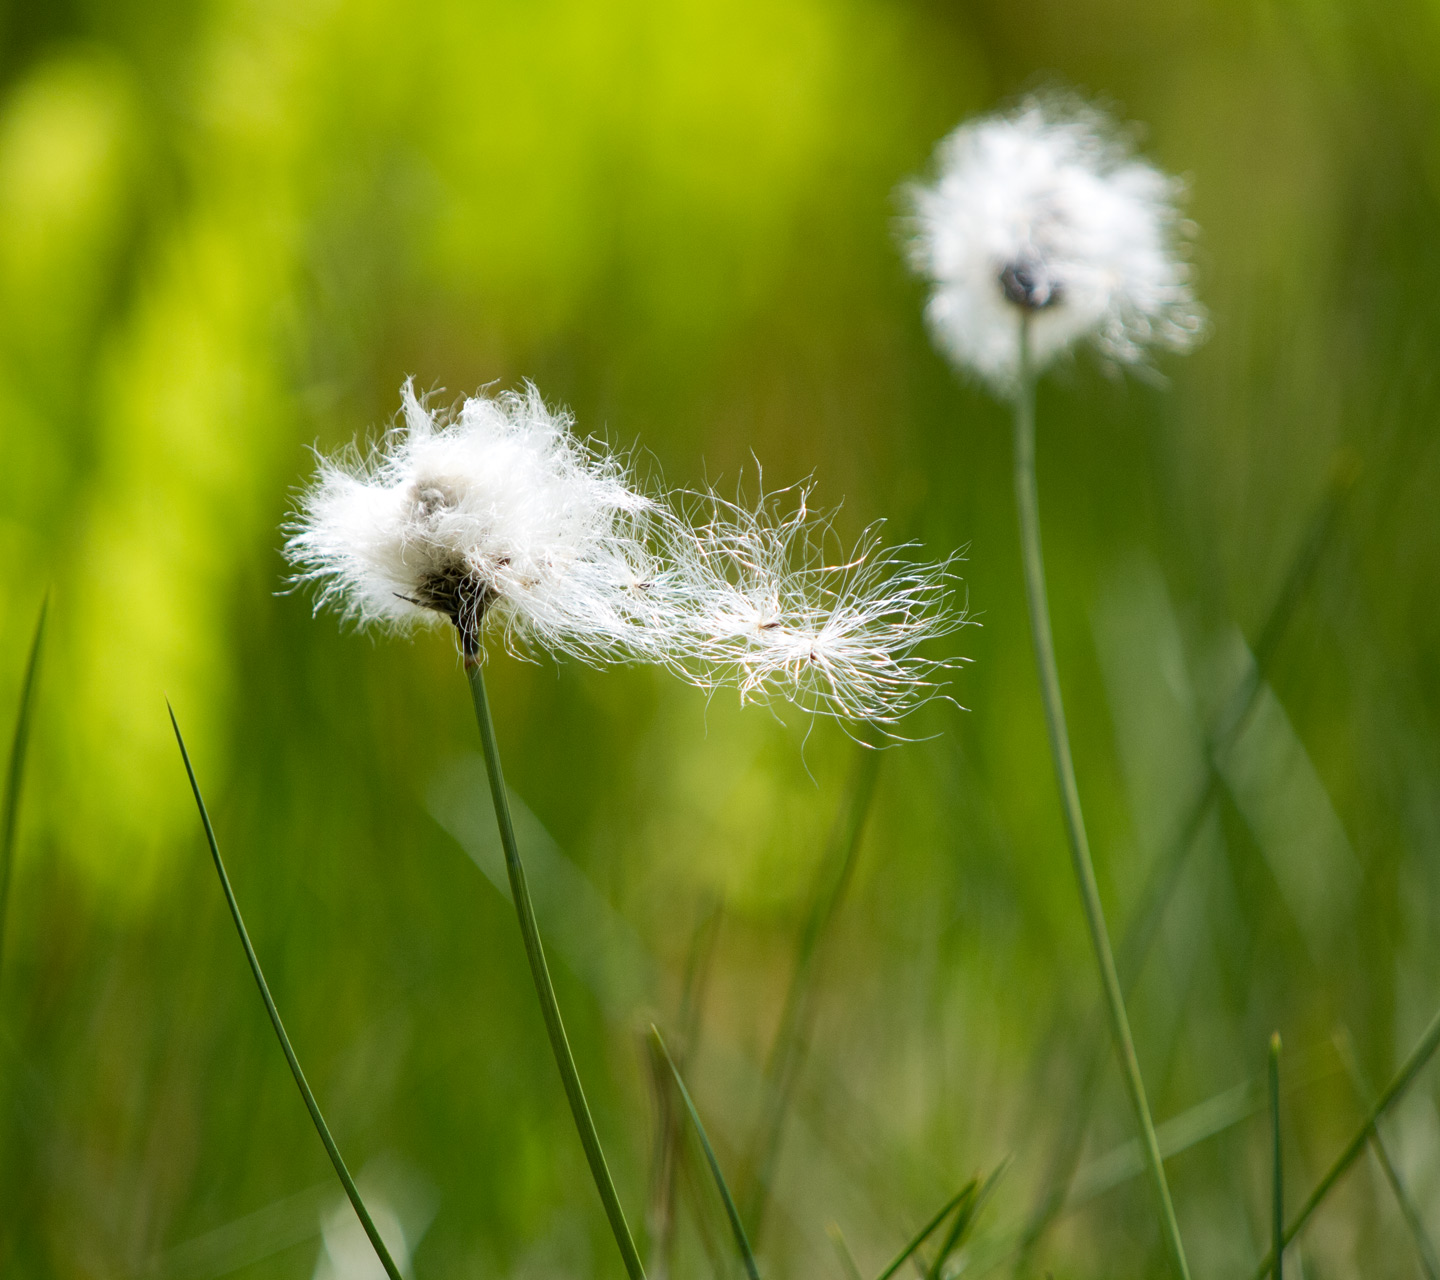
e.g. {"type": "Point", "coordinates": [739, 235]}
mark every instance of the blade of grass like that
{"type": "Point", "coordinates": [668, 1148]}
{"type": "Point", "coordinates": [1164, 876]}
{"type": "Point", "coordinates": [1345, 1047]}
{"type": "Point", "coordinates": [928, 1229]}
{"type": "Point", "coordinates": [788, 1051]}
{"type": "Point", "coordinates": [964, 1219]}
{"type": "Point", "coordinates": [311, 1105]}
{"type": "Point", "coordinates": [15, 775]}
{"type": "Point", "coordinates": [741, 1240]}
{"type": "Point", "coordinates": [540, 973]}
{"type": "Point", "coordinates": [842, 1251]}
{"type": "Point", "coordinates": [1420, 1055]}
{"type": "Point", "coordinates": [1027, 504]}
{"type": "Point", "coordinates": [1277, 1245]}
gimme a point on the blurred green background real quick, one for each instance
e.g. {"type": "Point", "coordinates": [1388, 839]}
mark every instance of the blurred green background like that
{"type": "Point", "coordinates": [229, 230]}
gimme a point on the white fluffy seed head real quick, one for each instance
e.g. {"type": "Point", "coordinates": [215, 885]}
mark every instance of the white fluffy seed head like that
{"type": "Point", "coordinates": [499, 516]}
{"type": "Point", "coordinates": [1044, 213]}
{"type": "Point", "coordinates": [497, 513]}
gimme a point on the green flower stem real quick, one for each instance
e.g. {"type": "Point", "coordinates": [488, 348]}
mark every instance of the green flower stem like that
{"type": "Point", "coordinates": [1164, 876]}
{"type": "Point", "coordinates": [311, 1105]}
{"type": "Point", "coordinates": [544, 989]}
{"type": "Point", "coordinates": [1027, 502]}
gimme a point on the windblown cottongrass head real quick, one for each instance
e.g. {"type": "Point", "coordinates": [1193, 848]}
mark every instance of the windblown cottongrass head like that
{"type": "Point", "coordinates": [500, 516]}
{"type": "Point", "coordinates": [777, 614]}
{"type": "Point", "coordinates": [1043, 214]}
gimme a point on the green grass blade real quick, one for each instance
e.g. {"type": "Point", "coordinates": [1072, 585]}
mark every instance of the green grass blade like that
{"type": "Point", "coordinates": [965, 1218]}
{"type": "Point", "coordinates": [1277, 1237]}
{"type": "Point", "coordinates": [311, 1105]}
{"type": "Point", "coordinates": [742, 1241]}
{"type": "Point", "coordinates": [788, 1051]}
{"type": "Point", "coordinates": [669, 1150]}
{"type": "Point", "coordinates": [842, 1251]}
{"type": "Point", "coordinates": [15, 776]}
{"type": "Point", "coordinates": [1423, 1246]}
{"type": "Point", "coordinates": [928, 1229]}
{"type": "Point", "coordinates": [1420, 1055]}
{"type": "Point", "coordinates": [540, 974]}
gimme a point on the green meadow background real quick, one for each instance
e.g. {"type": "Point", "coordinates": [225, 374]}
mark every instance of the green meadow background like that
{"type": "Point", "coordinates": [228, 231]}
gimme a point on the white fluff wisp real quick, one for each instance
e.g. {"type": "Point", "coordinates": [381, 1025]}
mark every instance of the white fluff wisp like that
{"type": "Point", "coordinates": [777, 614]}
{"type": "Point", "coordinates": [499, 517]}
{"type": "Point", "coordinates": [1044, 213]}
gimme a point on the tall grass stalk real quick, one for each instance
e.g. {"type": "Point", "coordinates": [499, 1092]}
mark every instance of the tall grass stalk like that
{"type": "Point", "coordinates": [1421, 1054]}
{"type": "Point", "coordinates": [1164, 876]}
{"type": "Point", "coordinates": [540, 972]}
{"type": "Point", "coordinates": [15, 775]}
{"type": "Point", "coordinates": [1027, 503]}
{"type": "Point", "coordinates": [832, 880]}
{"type": "Point", "coordinates": [742, 1242]}
{"type": "Point", "coordinates": [1277, 1188]}
{"type": "Point", "coordinates": [311, 1105]}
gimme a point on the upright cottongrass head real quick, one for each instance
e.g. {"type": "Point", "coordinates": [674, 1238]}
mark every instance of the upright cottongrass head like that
{"type": "Point", "coordinates": [498, 516]}
{"type": "Point", "coordinates": [1043, 214]}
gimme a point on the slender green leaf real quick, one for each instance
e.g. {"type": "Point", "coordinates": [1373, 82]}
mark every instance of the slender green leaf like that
{"type": "Point", "coordinates": [15, 776]}
{"type": "Point", "coordinates": [311, 1105]}
{"type": "Point", "coordinates": [742, 1242]}
{"type": "Point", "coordinates": [925, 1232]}
{"type": "Point", "coordinates": [965, 1218]}
{"type": "Point", "coordinates": [669, 1150]}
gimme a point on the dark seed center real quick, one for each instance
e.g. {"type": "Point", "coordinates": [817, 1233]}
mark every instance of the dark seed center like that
{"type": "Point", "coordinates": [1027, 284]}
{"type": "Point", "coordinates": [458, 593]}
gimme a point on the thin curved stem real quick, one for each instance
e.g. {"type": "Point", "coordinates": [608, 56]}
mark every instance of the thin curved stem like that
{"type": "Point", "coordinates": [1028, 505]}
{"type": "Point", "coordinates": [311, 1105]}
{"type": "Point", "coordinates": [544, 989]}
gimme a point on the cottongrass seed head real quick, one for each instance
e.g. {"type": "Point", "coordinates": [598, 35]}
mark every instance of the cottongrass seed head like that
{"type": "Point", "coordinates": [499, 516]}
{"type": "Point", "coordinates": [1044, 214]}
{"type": "Point", "coordinates": [497, 513]}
